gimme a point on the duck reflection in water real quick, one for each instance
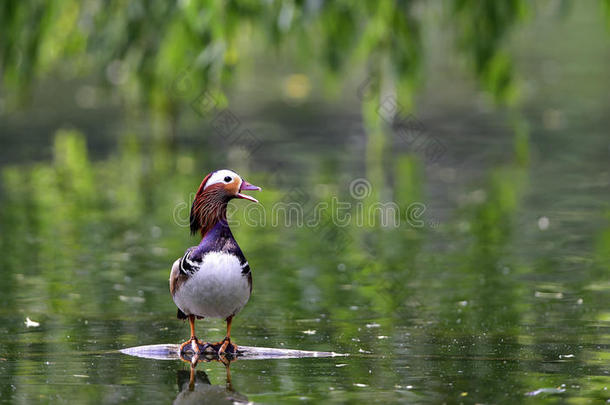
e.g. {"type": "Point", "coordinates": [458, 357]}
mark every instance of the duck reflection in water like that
{"type": "Point", "coordinates": [196, 388]}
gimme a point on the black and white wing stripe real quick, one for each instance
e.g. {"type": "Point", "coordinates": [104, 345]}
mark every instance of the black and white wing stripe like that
{"type": "Point", "coordinates": [245, 267]}
{"type": "Point", "coordinates": [189, 265]}
{"type": "Point", "coordinates": [191, 261]}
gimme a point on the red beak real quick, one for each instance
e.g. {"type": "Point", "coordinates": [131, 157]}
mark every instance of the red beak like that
{"type": "Point", "coordinates": [247, 186]}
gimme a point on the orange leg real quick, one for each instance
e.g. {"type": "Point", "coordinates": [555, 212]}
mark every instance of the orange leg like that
{"type": "Point", "coordinates": [227, 340]}
{"type": "Point", "coordinates": [194, 342]}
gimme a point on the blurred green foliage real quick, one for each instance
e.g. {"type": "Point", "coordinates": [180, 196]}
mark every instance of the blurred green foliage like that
{"type": "Point", "coordinates": [160, 54]}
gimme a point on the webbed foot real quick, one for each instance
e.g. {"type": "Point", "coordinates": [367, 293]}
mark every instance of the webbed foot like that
{"type": "Point", "coordinates": [225, 347]}
{"type": "Point", "coordinates": [194, 345]}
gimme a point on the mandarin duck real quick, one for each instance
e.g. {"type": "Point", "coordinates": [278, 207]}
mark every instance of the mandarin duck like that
{"type": "Point", "coordinates": [213, 279]}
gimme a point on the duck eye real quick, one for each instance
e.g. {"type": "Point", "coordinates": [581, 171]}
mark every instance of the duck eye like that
{"type": "Point", "coordinates": [227, 179]}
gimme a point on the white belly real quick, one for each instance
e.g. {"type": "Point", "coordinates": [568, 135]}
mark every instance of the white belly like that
{"type": "Point", "coordinates": [217, 290]}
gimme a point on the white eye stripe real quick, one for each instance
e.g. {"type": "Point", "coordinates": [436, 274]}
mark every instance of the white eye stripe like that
{"type": "Point", "coordinates": [219, 177]}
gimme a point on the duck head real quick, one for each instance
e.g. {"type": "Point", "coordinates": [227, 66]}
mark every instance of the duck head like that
{"type": "Point", "coordinates": [215, 191]}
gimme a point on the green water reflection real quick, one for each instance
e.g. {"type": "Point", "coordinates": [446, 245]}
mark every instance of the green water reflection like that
{"type": "Point", "coordinates": [466, 307]}
{"type": "Point", "coordinates": [493, 281]}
